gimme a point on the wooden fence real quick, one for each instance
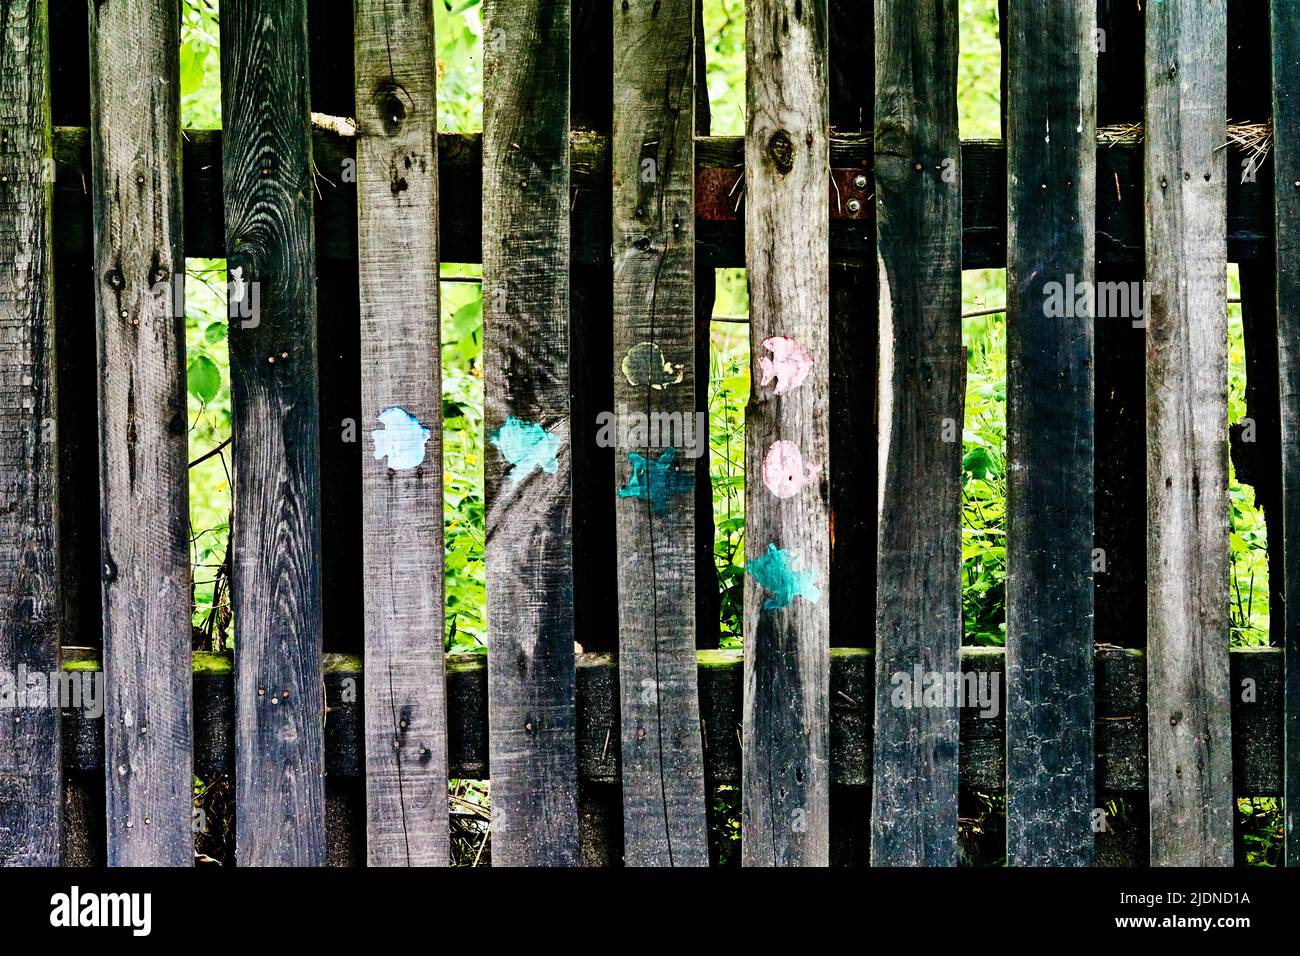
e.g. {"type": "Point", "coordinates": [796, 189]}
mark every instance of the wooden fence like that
{"type": "Point", "coordinates": [599, 207]}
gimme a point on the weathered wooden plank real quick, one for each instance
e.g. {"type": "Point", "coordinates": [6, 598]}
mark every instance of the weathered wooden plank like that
{"type": "Point", "coordinates": [31, 777]}
{"type": "Point", "coordinates": [1050, 221]}
{"type": "Point", "coordinates": [526, 418]}
{"type": "Point", "coordinates": [922, 377]}
{"type": "Point", "coordinates": [653, 164]}
{"type": "Point", "coordinates": [786, 780]}
{"type": "Point", "coordinates": [143, 430]}
{"type": "Point", "coordinates": [401, 395]}
{"type": "Point", "coordinates": [1286, 167]}
{"type": "Point", "coordinates": [270, 253]}
{"type": "Point", "coordinates": [1189, 717]}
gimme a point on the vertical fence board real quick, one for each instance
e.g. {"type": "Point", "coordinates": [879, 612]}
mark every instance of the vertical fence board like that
{"type": "Point", "coordinates": [922, 374]}
{"type": "Point", "coordinates": [526, 419]}
{"type": "Point", "coordinates": [332, 74]}
{"type": "Point", "coordinates": [708, 594]}
{"type": "Point", "coordinates": [31, 777]}
{"type": "Point", "coordinates": [75, 348]}
{"type": "Point", "coordinates": [270, 252]}
{"type": "Point", "coordinates": [653, 167]}
{"type": "Point", "coordinates": [143, 421]}
{"type": "Point", "coordinates": [1189, 722]}
{"type": "Point", "coordinates": [1286, 159]}
{"type": "Point", "coordinates": [854, 332]}
{"type": "Point", "coordinates": [786, 773]}
{"type": "Point", "coordinates": [397, 225]}
{"type": "Point", "coordinates": [591, 336]}
{"type": "Point", "coordinates": [1051, 166]}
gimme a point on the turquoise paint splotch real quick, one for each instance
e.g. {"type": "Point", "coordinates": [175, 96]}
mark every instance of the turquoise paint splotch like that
{"type": "Point", "coordinates": [526, 445]}
{"type": "Point", "coordinates": [656, 480]}
{"type": "Point", "coordinates": [401, 440]}
{"type": "Point", "coordinates": [775, 573]}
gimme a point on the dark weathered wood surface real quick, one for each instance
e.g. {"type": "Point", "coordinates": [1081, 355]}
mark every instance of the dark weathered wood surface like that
{"type": "Point", "coordinates": [331, 53]}
{"type": "Point", "coordinates": [922, 375]}
{"type": "Point", "coordinates": [31, 777]}
{"type": "Point", "coordinates": [786, 780]}
{"type": "Point", "coordinates": [143, 429]}
{"type": "Point", "coordinates": [654, 369]}
{"type": "Point", "coordinates": [268, 187]}
{"type": "Point", "coordinates": [401, 404]}
{"type": "Point", "coordinates": [1119, 358]}
{"type": "Point", "coordinates": [1051, 129]}
{"type": "Point", "coordinates": [527, 423]}
{"type": "Point", "coordinates": [1286, 166]}
{"type": "Point", "coordinates": [1189, 715]}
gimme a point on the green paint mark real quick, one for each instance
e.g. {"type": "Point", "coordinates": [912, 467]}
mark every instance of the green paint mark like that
{"type": "Point", "coordinates": [656, 481]}
{"type": "Point", "coordinates": [526, 445]}
{"type": "Point", "coordinates": [775, 573]}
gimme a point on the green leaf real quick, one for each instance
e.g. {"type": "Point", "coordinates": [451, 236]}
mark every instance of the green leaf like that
{"type": "Point", "coordinates": [193, 62]}
{"type": "Point", "coordinates": [215, 333]}
{"type": "Point", "coordinates": [204, 378]}
{"type": "Point", "coordinates": [977, 462]}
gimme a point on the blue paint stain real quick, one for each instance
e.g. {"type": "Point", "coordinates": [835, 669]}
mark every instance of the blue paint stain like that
{"type": "Point", "coordinates": [775, 573]}
{"type": "Point", "coordinates": [656, 481]}
{"type": "Point", "coordinates": [526, 445]}
{"type": "Point", "coordinates": [401, 440]}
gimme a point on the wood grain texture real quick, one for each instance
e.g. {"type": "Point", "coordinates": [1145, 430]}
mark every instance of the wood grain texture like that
{"type": "Point", "coordinates": [31, 773]}
{"type": "Point", "coordinates": [397, 245]}
{"type": "Point", "coordinates": [786, 780]}
{"type": "Point", "coordinates": [1189, 716]}
{"type": "Point", "coordinates": [527, 423]}
{"type": "Point", "coordinates": [1051, 166]}
{"type": "Point", "coordinates": [268, 187]}
{"type": "Point", "coordinates": [664, 822]}
{"type": "Point", "coordinates": [143, 430]}
{"type": "Point", "coordinates": [1286, 167]}
{"type": "Point", "coordinates": [922, 376]}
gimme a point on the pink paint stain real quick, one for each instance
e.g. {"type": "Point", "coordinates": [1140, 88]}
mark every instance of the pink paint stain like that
{"type": "Point", "coordinates": [789, 365]}
{"type": "Point", "coordinates": [784, 471]}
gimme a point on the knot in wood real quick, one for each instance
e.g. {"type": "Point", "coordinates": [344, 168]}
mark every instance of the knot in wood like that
{"type": "Point", "coordinates": [392, 111]}
{"type": "Point", "coordinates": [780, 150]}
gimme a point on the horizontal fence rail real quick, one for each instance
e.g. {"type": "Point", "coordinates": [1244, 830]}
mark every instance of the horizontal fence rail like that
{"type": "Point", "coordinates": [1120, 718]}
{"type": "Point", "coordinates": [1120, 733]}
{"type": "Point", "coordinates": [719, 164]}
{"type": "Point", "coordinates": [854, 727]}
